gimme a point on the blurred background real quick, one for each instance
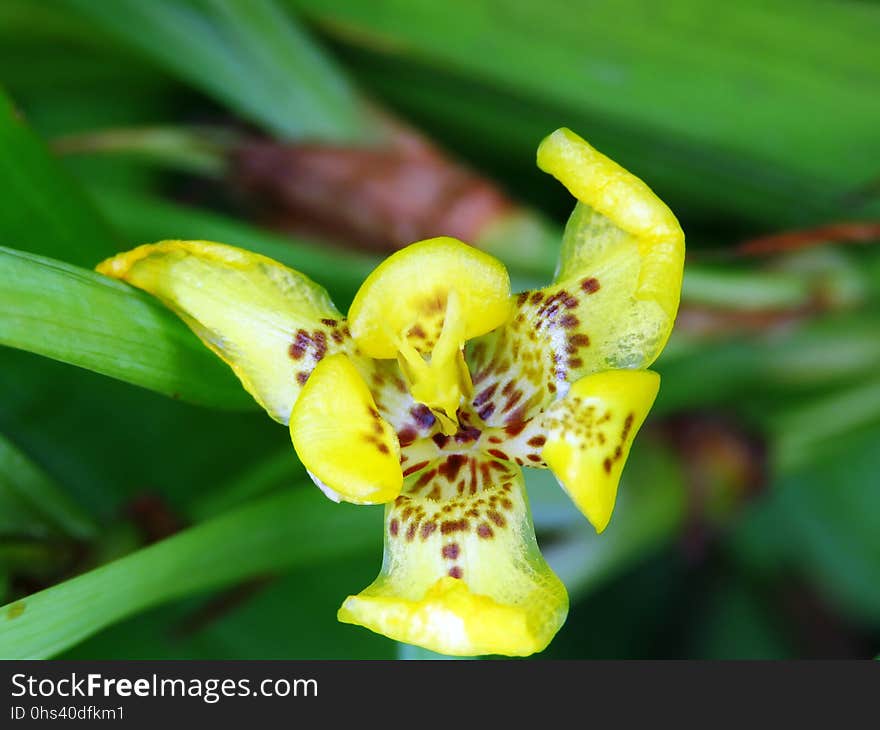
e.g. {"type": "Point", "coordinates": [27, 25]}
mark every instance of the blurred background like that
{"type": "Point", "coordinates": [149, 510]}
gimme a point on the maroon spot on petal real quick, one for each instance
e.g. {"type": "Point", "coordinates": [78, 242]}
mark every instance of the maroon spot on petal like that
{"type": "Point", "coordinates": [499, 454]}
{"type": "Point", "coordinates": [416, 331]}
{"type": "Point", "coordinates": [440, 439]}
{"type": "Point", "coordinates": [521, 298]}
{"type": "Point", "coordinates": [536, 297]}
{"type": "Point", "coordinates": [299, 345]}
{"type": "Point", "coordinates": [515, 428]}
{"type": "Point", "coordinates": [516, 416]}
{"type": "Point", "coordinates": [512, 401]}
{"type": "Point", "coordinates": [394, 527]}
{"type": "Point", "coordinates": [427, 529]}
{"type": "Point", "coordinates": [455, 572]}
{"type": "Point", "coordinates": [406, 436]}
{"type": "Point", "coordinates": [537, 441]}
{"type": "Point", "coordinates": [569, 321]}
{"type": "Point", "coordinates": [469, 433]}
{"type": "Point", "coordinates": [449, 526]}
{"type": "Point", "coordinates": [414, 468]}
{"type": "Point", "coordinates": [383, 449]}
{"type": "Point", "coordinates": [425, 478]}
{"type": "Point", "coordinates": [302, 377]}
{"type": "Point", "coordinates": [320, 340]}
{"type": "Point", "coordinates": [534, 457]}
{"type": "Point", "coordinates": [485, 395]}
{"type": "Point", "coordinates": [579, 339]}
{"type": "Point", "coordinates": [486, 411]}
{"type": "Point", "coordinates": [496, 518]}
{"type": "Point", "coordinates": [411, 530]}
{"type": "Point", "coordinates": [607, 466]}
{"type": "Point", "coordinates": [484, 531]}
{"type": "Point", "coordinates": [329, 322]}
{"type": "Point", "coordinates": [590, 285]}
{"type": "Point", "coordinates": [452, 466]}
{"type": "Point", "coordinates": [450, 551]}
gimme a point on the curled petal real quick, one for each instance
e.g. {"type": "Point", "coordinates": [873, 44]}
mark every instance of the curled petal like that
{"type": "Point", "coordinates": [269, 323]}
{"type": "Point", "coordinates": [623, 236]}
{"type": "Point", "coordinates": [612, 304]}
{"type": "Point", "coordinates": [349, 450]}
{"type": "Point", "coordinates": [420, 305]}
{"type": "Point", "coordinates": [589, 434]}
{"type": "Point", "coordinates": [462, 573]}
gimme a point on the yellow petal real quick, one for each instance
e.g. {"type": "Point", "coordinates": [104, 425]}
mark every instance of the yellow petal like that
{"type": "Point", "coordinates": [420, 306]}
{"type": "Point", "coordinates": [589, 434]}
{"type": "Point", "coordinates": [462, 572]}
{"type": "Point", "coordinates": [621, 238]}
{"type": "Point", "coordinates": [269, 323]}
{"type": "Point", "coordinates": [408, 292]}
{"type": "Point", "coordinates": [340, 437]}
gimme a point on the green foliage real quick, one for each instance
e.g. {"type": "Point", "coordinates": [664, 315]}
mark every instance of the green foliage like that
{"type": "Point", "coordinates": [724, 110]}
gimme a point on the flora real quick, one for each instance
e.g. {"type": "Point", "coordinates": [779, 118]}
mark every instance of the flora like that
{"type": "Point", "coordinates": [440, 384]}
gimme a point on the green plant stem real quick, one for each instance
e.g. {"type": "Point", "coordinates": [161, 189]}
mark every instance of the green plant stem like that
{"type": "Point", "coordinates": [198, 150]}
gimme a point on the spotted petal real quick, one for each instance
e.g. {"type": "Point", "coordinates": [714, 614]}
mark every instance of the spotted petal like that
{"type": "Point", "coordinates": [269, 323]}
{"type": "Point", "coordinates": [589, 434]}
{"type": "Point", "coordinates": [462, 573]}
{"type": "Point", "coordinates": [614, 299]}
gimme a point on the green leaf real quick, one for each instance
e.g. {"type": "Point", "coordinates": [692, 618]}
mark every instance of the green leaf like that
{"type": "Point", "coordinates": [41, 209]}
{"type": "Point", "coordinates": [252, 56]}
{"type": "Point", "coordinates": [686, 94]}
{"type": "Point", "coordinates": [279, 532]}
{"type": "Point", "coordinates": [32, 503]}
{"type": "Point", "coordinates": [85, 319]}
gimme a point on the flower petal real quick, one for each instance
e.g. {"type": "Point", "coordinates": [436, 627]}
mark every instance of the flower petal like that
{"type": "Point", "coordinates": [338, 434]}
{"type": "Point", "coordinates": [269, 323]}
{"type": "Point", "coordinates": [589, 434]}
{"type": "Point", "coordinates": [614, 299]}
{"type": "Point", "coordinates": [462, 572]}
{"type": "Point", "coordinates": [420, 305]}
{"type": "Point", "coordinates": [621, 237]}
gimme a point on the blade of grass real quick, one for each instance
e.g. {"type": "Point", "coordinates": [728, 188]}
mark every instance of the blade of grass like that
{"type": "Point", "coordinates": [276, 533]}
{"type": "Point", "coordinates": [82, 318]}
{"type": "Point", "coordinates": [252, 56]}
{"type": "Point", "coordinates": [32, 503]}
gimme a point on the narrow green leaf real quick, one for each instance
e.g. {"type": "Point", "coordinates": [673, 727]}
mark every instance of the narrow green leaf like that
{"type": "Point", "coordinates": [85, 319]}
{"type": "Point", "coordinates": [252, 56]}
{"type": "Point", "coordinates": [32, 503]}
{"type": "Point", "coordinates": [41, 208]}
{"type": "Point", "coordinates": [279, 532]}
{"type": "Point", "coordinates": [688, 94]}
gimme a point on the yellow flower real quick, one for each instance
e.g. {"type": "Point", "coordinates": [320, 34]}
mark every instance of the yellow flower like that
{"type": "Point", "coordinates": [440, 384]}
